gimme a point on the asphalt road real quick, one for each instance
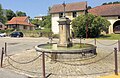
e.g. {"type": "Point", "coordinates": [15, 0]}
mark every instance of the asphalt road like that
{"type": "Point", "coordinates": [16, 45]}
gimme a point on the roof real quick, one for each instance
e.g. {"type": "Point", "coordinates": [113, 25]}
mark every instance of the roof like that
{"type": "Point", "coordinates": [20, 20]}
{"type": "Point", "coordinates": [1, 23]}
{"type": "Point", "coordinates": [78, 6]}
{"type": "Point", "coordinates": [106, 10]}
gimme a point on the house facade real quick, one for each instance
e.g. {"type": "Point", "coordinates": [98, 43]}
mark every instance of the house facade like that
{"type": "Point", "coordinates": [39, 17]}
{"type": "Point", "coordinates": [112, 13]}
{"type": "Point", "coordinates": [21, 23]}
{"type": "Point", "coordinates": [2, 26]}
{"type": "Point", "coordinates": [72, 10]}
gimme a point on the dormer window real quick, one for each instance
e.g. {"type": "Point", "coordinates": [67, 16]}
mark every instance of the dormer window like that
{"type": "Point", "coordinates": [60, 15]}
{"type": "Point", "coordinates": [74, 14]}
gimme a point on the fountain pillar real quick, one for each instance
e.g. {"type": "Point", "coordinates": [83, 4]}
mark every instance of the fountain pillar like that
{"type": "Point", "coordinates": [64, 32]}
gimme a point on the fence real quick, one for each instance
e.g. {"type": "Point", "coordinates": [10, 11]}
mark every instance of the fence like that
{"type": "Point", "coordinates": [43, 55]}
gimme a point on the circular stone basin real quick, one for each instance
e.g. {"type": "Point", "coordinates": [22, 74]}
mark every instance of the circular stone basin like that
{"type": "Point", "coordinates": [76, 51]}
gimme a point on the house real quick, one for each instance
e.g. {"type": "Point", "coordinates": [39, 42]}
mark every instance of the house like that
{"type": "Point", "coordinates": [112, 13]}
{"type": "Point", "coordinates": [39, 17]}
{"type": "Point", "coordinates": [21, 23]}
{"type": "Point", "coordinates": [72, 10]}
{"type": "Point", "coordinates": [2, 26]}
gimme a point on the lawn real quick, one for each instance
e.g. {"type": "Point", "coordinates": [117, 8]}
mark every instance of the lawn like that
{"type": "Point", "coordinates": [110, 36]}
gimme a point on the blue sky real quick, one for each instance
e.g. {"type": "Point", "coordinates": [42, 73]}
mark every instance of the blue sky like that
{"type": "Point", "coordinates": [40, 7]}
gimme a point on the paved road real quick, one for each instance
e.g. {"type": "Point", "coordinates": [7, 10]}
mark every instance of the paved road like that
{"type": "Point", "coordinates": [16, 45]}
{"type": "Point", "coordinates": [4, 73]}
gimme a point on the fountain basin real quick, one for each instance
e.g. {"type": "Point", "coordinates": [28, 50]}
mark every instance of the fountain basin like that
{"type": "Point", "coordinates": [76, 51]}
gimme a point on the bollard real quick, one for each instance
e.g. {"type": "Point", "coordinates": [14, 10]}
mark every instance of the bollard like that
{"type": "Point", "coordinates": [95, 41]}
{"type": "Point", "coordinates": [1, 64]}
{"type": "Point", "coordinates": [116, 64]}
{"type": "Point", "coordinates": [43, 64]}
{"type": "Point", "coordinates": [118, 45]}
{"type": "Point", "coordinates": [5, 49]}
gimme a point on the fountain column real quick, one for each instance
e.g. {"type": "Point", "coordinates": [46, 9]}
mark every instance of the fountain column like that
{"type": "Point", "coordinates": [64, 32]}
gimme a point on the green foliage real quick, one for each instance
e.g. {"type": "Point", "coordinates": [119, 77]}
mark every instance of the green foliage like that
{"type": "Point", "coordinates": [46, 22]}
{"type": "Point", "coordinates": [46, 32]}
{"type": "Point", "coordinates": [89, 7]}
{"type": "Point", "coordinates": [55, 35]}
{"type": "Point", "coordinates": [20, 13]}
{"type": "Point", "coordinates": [94, 25]}
{"type": "Point", "coordinates": [110, 37]}
{"type": "Point", "coordinates": [116, 2]}
{"type": "Point", "coordinates": [10, 14]}
{"type": "Point", "coordinates": [2, 17]}
{"type": "Point", "coordinates": [36, 22]}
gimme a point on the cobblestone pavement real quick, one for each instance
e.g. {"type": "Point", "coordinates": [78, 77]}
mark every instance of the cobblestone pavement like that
{"type": "Point", "coordinates": [4, 73]}
{"type": "Point", "coordinates": [96, 66]}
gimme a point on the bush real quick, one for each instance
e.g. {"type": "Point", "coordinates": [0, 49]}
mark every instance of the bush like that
{"type": "Point", "coordinates": [91, 24]}
{"type": "Point", "coordinates": [55, 35]}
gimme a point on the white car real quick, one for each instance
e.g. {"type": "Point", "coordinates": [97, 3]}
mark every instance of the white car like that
{"type": "Point", "coordinates": [2, 34]}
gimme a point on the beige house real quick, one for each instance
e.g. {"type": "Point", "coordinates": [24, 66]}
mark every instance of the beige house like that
{"type": "Point", "coordinates": [21, 23]}
{"type": "Point", "coordinates": [112, 13]}
{"type": "Point", "coordinates": [72, 10]}
{"type": "Point", "coordinates": [39, 17]}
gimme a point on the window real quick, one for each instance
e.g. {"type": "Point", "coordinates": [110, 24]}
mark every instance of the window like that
{"type": "Point", "coordinates": [74, 14]}
{"type": "Point", "coordinates": [0, 26]}
{"type": "Point", "coordinates": [25, 27]}
{"type": "Point", "coordinates": [60, 15]}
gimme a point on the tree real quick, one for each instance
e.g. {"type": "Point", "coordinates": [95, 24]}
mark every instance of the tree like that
{"type": "Point", "coordinates": [20, 13]}
{"type": "Point", "coordinates": [46, 21]}
{"type": "Point", "coordinates": [2, 16]}
{"type": "Point", "coordinates": [36, 22]}
{"type": "Point", "coordinates": [10, 14]}
{"type": "Point", "coordinates": [116, 2]}
{"type": "Point", "coordinates": [110, 3]}
{"type": "Point", "coordinates": [104, 4]}
{"type": "Point", "coordinates": [89, 7]}
{"type": "Point", "coordinates": [94, 25]}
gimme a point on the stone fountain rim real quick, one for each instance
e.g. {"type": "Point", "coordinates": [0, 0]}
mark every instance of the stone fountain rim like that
{"type": "Point", "coordinates": [77, 51]}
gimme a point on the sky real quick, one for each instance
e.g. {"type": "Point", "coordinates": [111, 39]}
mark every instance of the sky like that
{"type": "Point", "coordinates": [40, 7]}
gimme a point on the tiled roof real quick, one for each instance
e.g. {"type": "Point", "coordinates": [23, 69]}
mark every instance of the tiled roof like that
{"type": "Point", "coordinates": [106, 10]}
{"type": "Point", "coordinates": [20, 20]}
{"type": "Point", "coordinates": [69, 7]}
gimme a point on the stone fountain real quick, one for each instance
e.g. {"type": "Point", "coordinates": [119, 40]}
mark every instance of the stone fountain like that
{"type": "Point", "coordinates": [65, 49]}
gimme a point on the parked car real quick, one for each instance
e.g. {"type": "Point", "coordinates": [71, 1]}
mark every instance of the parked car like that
{"type": "Point", "coordinates": [16, 34]}
{"type": "Point", "coordinates": [2, 34]}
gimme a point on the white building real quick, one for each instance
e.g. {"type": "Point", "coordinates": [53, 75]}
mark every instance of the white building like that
{"type": "Point", "coordinates": [72, 10]}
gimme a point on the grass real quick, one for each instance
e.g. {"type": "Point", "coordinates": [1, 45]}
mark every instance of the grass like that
{"type": "Point", "coordinates": [110, 37]}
